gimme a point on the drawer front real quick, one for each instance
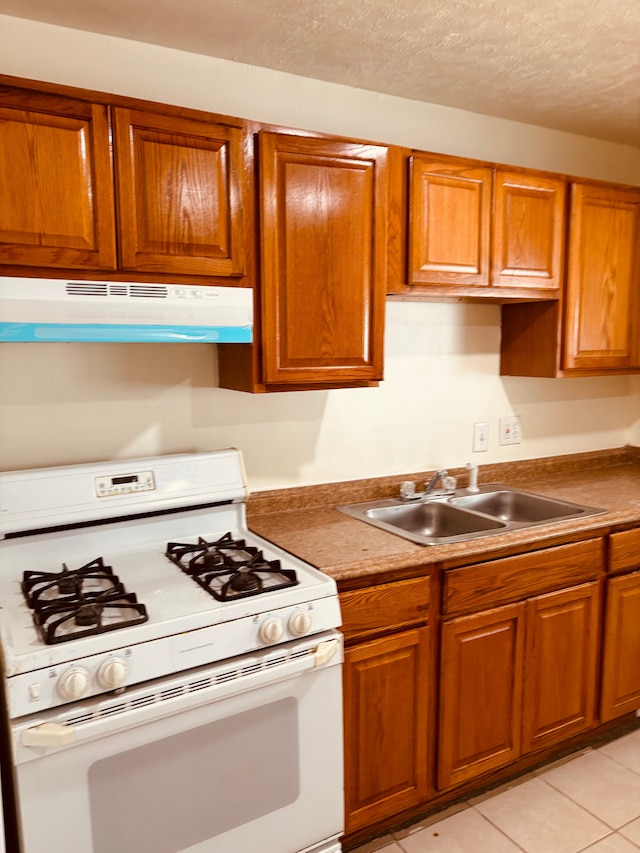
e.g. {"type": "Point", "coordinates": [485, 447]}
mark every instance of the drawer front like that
{"type": "Point", "coordinates": [624, 551]}
{"type": "Point", "coordinates": [385, 606]}
{"type": "Point", "coordinates": [496, 582]}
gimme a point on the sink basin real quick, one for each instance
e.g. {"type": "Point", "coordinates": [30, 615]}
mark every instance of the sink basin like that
{"type": "Point", "coordinates": [512, 505]}
{"type": "Point", "coordinates": [425, 522]}
{"type": "Point", "coordinates": [434, 520]}
{"type": "Point", "coordinates": [446, 519]}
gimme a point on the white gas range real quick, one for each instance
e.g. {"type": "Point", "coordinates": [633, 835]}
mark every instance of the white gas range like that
{"type": "Point", "coordinates": [157, 653]}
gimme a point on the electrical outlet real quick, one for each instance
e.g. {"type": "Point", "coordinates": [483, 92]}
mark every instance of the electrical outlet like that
{"type": "Point", "coordinates": [510, 432]}
{"type": "Point", "coordinates": [480, 437]}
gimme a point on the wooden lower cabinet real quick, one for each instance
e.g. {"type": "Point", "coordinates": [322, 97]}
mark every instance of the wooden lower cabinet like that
{"type": "Point", "coordinates": [480, 693]}
{"type": "Point", "coordinates": [621, 661]}
{"type": "Point", "coordinates": [561, 657]}
{"type": "Point", "coordinates": [521, 676]}
{"type": "Point", "coordinates": [385, 683]}
{"type": "Point", "coordinates": [388, 672]}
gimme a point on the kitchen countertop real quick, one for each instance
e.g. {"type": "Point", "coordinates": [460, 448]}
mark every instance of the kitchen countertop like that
{"type": "Point", "coordinates": [304, 520]}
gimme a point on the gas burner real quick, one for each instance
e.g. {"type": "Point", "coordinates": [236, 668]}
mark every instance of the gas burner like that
{"type": "Point", "coordinates": [71, 604]}
{"type": "Point", "coordinates": [229, 568]}
{"type": "Point", "coordinates": [61, 621]}
{"type": "Point", "coordinates": [67, 584]}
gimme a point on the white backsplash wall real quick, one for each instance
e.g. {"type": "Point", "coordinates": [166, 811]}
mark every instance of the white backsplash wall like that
{"type": "Point", "coordinates": [64, 403]}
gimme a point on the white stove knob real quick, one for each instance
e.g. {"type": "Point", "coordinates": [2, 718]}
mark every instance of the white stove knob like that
{"type": "Point", "coordinates": [112, 674]}
{"type": "Point", "coordinates": [272, 630]}
{"type": "Point", "coordinates": [74, 683]}
{"type": "Point", "coordinates": [300, 623]}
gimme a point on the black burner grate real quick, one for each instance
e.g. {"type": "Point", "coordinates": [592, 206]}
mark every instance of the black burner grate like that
{"type": "Point", "coordinates": [72, 604]}
{"type": "Point", "coordinates": [229, 569]}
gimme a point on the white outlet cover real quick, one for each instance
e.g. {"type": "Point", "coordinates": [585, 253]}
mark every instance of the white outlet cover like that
{"type": "Point", "coordinates": [510, 431]}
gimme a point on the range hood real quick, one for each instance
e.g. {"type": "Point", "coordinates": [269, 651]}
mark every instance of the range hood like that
{"type": "Point", "coordinates": [46, 310]}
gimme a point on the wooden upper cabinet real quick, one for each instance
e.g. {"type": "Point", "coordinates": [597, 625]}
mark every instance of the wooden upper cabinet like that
{"type": "Point", "coordinates": [56, 197]}
{"type": "Point", "coordinates": [449, 222]}
{"type": "Point", "coordinates": [601, 314]}
{"type": "Point", "coordinates": [528, 230]}
{"type": "Point", "coordinates": [324, 211]}
{"type": "Point", "coordinates": [179, 194]}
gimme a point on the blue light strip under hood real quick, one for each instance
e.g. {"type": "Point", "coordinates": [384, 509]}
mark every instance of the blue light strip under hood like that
{"type": "Point", "coordinates": [116, 333]}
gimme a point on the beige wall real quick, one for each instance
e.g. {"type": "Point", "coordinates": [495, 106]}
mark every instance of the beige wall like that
{"type": "Point", "coordinates": [62, 403]}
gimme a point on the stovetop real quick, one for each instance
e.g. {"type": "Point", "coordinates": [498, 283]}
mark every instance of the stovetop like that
{"type": "Point", "coordinates": [181, 607]}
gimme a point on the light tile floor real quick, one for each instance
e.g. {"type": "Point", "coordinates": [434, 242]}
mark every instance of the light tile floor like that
{"type": "Point", "coordinates": [589, 802]}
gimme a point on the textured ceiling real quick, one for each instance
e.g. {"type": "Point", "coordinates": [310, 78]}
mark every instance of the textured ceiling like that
{"type": "Point", "coordinates": [567, 64]}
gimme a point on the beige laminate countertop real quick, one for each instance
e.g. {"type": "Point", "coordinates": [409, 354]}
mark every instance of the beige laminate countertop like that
{"type": "Point", "coordinates": [304, 520]}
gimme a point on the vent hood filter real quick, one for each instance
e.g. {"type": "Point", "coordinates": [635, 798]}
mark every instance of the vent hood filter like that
{"type": "Point", "coordinates": [47, 310]}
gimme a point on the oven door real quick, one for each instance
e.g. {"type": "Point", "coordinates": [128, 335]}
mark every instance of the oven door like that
{"type": "Point", "coordinates": [240, 756]}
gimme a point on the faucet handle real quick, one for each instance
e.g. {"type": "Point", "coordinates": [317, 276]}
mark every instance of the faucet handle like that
{"type": "Point", "coordinates": [449, 483]}
{"type": "Point", "coordinates": [407, 490]}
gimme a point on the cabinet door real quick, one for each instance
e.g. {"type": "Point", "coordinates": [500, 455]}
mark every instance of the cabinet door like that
{"type": "Point", "coordinates": [449, 222]}
{"type": "Point", "coordinates": [480, 693]}
{"type": "Point", "coordinates": [560, 665]}
{"type": "Point", "coordinates": [528, 230]}
{"type": "Point", "coordinates": [621, 661]}
{"type": "Point", "coordinates": [386, 725]}
{"type": "Point", "coordinates": [324, 211]}
{"type": "Point", "coordinates": [179, 195]}
{"type": "Point", "coordinates": [601, 325]}
{"type": "Point", "coordinates": [56, 201]}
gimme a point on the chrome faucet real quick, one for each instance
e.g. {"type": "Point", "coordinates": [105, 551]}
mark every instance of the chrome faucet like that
{"type": "Point", "coordinates": [441, 474]}
{"type": "Point", "coordinates": [448, 484]}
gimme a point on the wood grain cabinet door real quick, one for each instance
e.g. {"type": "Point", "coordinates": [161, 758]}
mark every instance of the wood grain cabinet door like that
{"type": "Point", "coordinates": [602, 304]}
{"type": "Point", "coordinates": [529, 225]}
{"type": "Point", "coordinates": [449, 222]}
{"type": "Point", "coordinates": [621, 661]}
{"type": "Point", "coordinates": [179, 194]}
{"type": "Point", "coordinates": [56, 182]}
{"type": "Point", "coordinates": [480, 693]}
{"type": "Point", "coordinates": [386, 726]}
{"type": "Point", "coordinates": [324, 212]}
{"type": "Point", "coordinates": [561, 662]}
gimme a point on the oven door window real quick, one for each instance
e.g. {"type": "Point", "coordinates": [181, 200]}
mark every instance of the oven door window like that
{"type": "Point", "coordinates": [183, 790]}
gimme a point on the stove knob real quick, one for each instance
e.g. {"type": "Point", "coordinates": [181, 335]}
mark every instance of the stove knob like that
{"type": "Point", "coordinates": [300, 623]}
{"type": "Point", "coordinates": [272, 630]}
{"type": "Point", "coordinates": [112, 674]}
{"type": "Point", "coordinates": [74, 683]}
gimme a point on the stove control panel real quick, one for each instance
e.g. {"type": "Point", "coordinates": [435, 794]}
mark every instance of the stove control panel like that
{"type": "Point", "coordinates": [124, 484]}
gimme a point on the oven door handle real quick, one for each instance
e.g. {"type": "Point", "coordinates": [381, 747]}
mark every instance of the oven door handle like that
{"type": "Point", "coordinates": [325, 651]}
{"type": "Point", "coordinates": [48, 734]}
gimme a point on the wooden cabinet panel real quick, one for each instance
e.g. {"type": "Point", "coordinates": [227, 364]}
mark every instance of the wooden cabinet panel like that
{"type": "Point", "coordinates": [480, 693]}
{"type": "Point", "coordinates": [449, 226]}
{"type": "Point", "coordinates": [528, 230]}
{"type": "Point", "coordinates": [56, 203]}
{"type": "Point", "coordinates": [179, 194]}
{"type": "Point", "coordinates": [603, 278]}
{"type": "Point", "coordinates": [513, 578]}
{"type": "Point", "coordinates": [386, 726]}
{"type": "Point", "coordinates": [560, 665]}
{"type": "Point", "coordinates": [324, 210]}
{"type": "Point", "coordinates": [372, 609]}
{"type": "Point", "coordinates": [624, 551]}
{"type": "Point", "coordinates": [621, 661]}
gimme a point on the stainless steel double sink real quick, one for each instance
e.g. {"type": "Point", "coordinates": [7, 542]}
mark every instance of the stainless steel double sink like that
{"type": "Point", "coordinates": [462, 516]}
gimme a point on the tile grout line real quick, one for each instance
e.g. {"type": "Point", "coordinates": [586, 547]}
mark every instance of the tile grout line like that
{"type": "Point", "coordinates": [500, 830]}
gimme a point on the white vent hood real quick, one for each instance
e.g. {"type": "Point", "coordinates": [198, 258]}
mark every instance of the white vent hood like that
{"type": "Point", "coordinates": [47, 310]}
